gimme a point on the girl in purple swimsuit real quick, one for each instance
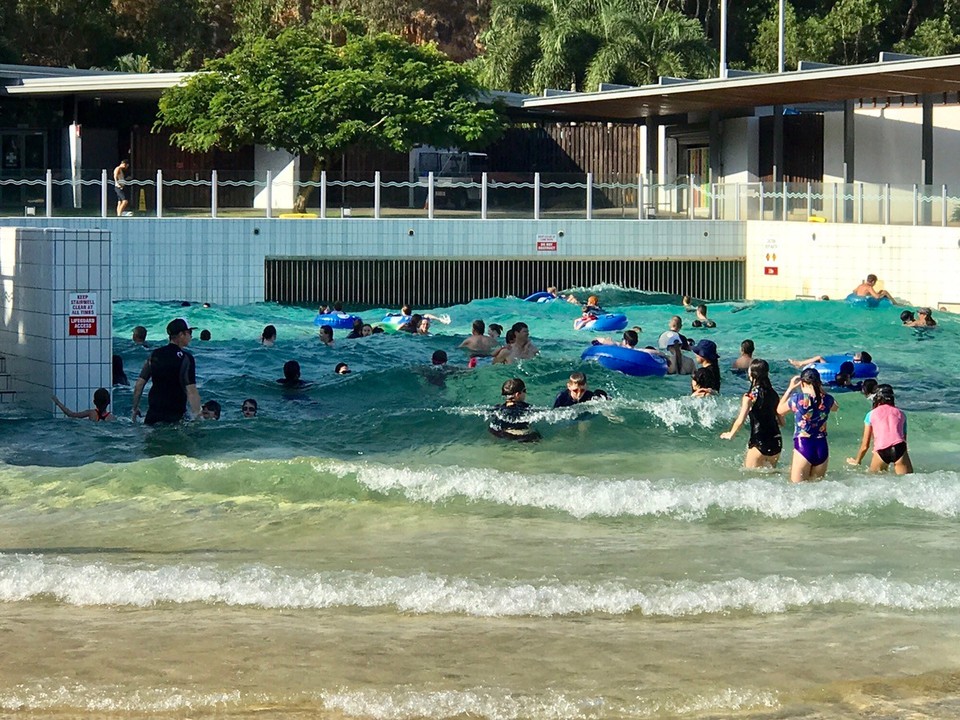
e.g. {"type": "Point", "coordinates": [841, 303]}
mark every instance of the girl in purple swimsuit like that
{"type": "Point", "coordinates": [811, 408]}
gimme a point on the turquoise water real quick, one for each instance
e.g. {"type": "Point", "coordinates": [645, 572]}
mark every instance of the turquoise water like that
{"type": "Point", "coordinates": [365, 549]}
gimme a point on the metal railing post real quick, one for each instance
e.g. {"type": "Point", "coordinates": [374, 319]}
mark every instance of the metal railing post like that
{"type": "Point", "coordinates": [323, 194]}
{"type": "Point", "coordinates": [835, 199]}
{"type": "Point", "coordinates": [736, 198]}
{"type": "Point", "coordinates": [48, 196]}
{"type": "Point", "coordinates": [943, 206]}
{"type": "Point", "coordinates": [159, 193]}
{"type": "Point", "coordinates": [809, 200]}
{"type": "Point", "coordinates": [713, 200]}
{"type": "Point", "coordinates": [103, 193]}
{"type": "Point", "coordinates": [269, 193]}
{"type": "Point", "coordinates": [691, 197]}
{"type": "Point", "coordinates": [916, 200]}
{"type": "Point", "coordinates": [430, 181]}
{"type": "Point", "coordinates": [860, 204]}
{"type": "Point", "coordinates": [483, 196]}
{"type": "Point", "coordinates": [589, 196]}
{"type": "Point", "coordinates": [213, 193]}
{"type": "Point", "coordinates": [887, 213]}
{"type": "Point", "coordinates": [376, 195]}
{"type": "Point", "coordinates": [783, 202]}
{"type": "Point", "coordinates": [640, 202]}
{"type": "Point", "coordinates": [536, 196]}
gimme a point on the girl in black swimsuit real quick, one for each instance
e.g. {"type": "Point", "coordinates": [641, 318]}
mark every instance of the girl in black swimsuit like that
{"type": "Point", "coordinates": [759, 403]}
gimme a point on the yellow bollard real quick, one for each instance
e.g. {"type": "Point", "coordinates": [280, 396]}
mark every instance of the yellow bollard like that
{"type": "Point", "coordinates": [142, 205]}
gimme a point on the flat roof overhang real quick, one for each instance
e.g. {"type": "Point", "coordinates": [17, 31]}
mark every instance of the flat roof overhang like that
{"type": "Point", "coordinates": [121, 85]}
{"type": "Point", "coordinates": [893, 78]}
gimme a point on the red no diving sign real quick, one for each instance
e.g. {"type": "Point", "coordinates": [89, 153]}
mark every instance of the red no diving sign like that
{"type": "Point", "coordinates": [82, 320]}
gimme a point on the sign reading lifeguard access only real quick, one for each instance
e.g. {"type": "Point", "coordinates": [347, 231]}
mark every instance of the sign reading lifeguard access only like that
{"type": "Point", "coordinates": [83, 314]}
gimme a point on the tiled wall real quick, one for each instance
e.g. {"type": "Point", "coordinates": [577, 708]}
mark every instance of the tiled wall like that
{"type": "Point", "coordinates": [918, 265]}
{"type": "Point", "coordinates": [41, 270]}
{"type": "Point", "coordinates": [221, 261]}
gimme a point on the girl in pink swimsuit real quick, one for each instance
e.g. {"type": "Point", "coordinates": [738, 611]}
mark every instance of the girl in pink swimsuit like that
{"type": "Point", "coordinates": [887, 426]}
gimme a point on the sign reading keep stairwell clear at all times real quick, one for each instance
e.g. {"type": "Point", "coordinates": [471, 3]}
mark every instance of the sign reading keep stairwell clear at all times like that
{"type": "Point", "coordinates": [82, 320]}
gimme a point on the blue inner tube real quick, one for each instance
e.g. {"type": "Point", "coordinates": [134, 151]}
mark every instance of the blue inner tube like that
{"type": "Point", "coordinates": [395, 320]}
{"type": "Point", "coordinates": [833, 365]}
{"type": "Point", "coordinates": [539, 297]}
{"type": "Point", "coordinates": [338, 321]}
{"type": "Point", "coordinates": [867, 301]}
{"type": "Point", "coordinates": [626, 360]}
{"type": "Point", "coordinates": [603, 323]}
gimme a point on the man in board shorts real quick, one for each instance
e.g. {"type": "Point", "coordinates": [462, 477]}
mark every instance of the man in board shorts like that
{"type": "Point", "coordinates": [174, 374]}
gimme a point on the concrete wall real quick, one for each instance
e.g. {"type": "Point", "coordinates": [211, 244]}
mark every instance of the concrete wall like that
{"type": "Point", "coordinates": [41, 271]}
{"type": "Point", "coordinates": [741, 150]}
{"type": "Point", "coordinates": [918, 265]}
{"type": "Point", "coordinates": [286, 171]}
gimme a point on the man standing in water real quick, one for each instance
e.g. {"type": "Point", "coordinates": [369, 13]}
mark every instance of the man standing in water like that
{"type": "Point", "coordinates": [174, 374]}
{"type": "Point", "coordinates": [119, 179]}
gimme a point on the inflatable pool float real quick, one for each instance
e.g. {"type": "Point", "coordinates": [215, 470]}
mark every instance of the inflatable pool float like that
{"type": "Point", "coordinates": [627, 360]}
{"type": "Point", "coordinates": [540, 297]}
{"type": "Point", "coordinates": [867, 301]}
{"type": "Point", "coordinates": [602, 323]}
{"type": "Point", "coordinates": [338, 321]}
{"type": "Point", "coordinates": [834, 365]}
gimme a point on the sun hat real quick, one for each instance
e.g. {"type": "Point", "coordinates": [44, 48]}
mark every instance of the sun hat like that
{"type": "Point", "coordinates": [175, 327]}
{"type": "Point", "coordinates": [707, 349]}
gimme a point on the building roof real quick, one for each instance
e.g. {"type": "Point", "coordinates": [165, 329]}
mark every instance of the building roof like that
{"type": "Point", "coordinates": [94, 84]}
{"type": "Point", "coordinates": [893, 76]}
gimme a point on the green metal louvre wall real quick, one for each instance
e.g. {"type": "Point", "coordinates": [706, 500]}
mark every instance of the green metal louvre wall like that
{"type": "Point", "coordinates": [439, 282]}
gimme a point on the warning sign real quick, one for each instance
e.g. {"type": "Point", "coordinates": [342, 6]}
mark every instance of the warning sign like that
{"type": "Point", "coordinates": [82, 320]}
{"type": "Point", "coordinates": [546, 243]}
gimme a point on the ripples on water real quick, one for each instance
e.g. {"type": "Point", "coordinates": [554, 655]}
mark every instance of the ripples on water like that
{"type": "Point", "coordinates": [366, 549]}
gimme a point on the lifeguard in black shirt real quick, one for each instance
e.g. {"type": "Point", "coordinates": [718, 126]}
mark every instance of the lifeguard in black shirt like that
{"type": "Point", "coordinates": [174, 374]}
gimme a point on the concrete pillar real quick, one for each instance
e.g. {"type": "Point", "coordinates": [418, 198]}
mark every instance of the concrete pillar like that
{"type": "Point", "coordinates": [55, 328]}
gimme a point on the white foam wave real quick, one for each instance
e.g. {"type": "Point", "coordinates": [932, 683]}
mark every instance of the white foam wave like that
{"type": "Point", "coordinates": [937, 494]}
{"type": "Point", "coordinates": [112, 700]}
{"type": "Point", "coordinates": [25, 577]}
{"type": "Point", "coordinates": [689, 411]}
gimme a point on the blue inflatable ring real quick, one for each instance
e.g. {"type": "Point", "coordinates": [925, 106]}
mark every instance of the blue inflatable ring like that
{"type": "Point", "coordinates": [602, 323]}
{"type": "Point", "coordinates": [867, 301]}
{"type": "Point", "coordinates": [338, 321]}
{"type": "Point", "coordinates": [832, 366]}
{"type": "Point", "coordinates": [395, 320]}
{"type": "Point", "coordinates": [540, 297]}
{"type": "Point", "coordinates": [627, 360]}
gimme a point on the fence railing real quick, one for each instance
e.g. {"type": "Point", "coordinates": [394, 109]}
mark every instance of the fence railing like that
{"type": "Point", "coordinates": [485, 196]}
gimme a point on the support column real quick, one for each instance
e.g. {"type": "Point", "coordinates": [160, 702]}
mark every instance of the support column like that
{"type": "Point", "coordinates": [780, 203]}
{"type": "Point", "coordinates": [926, 154]}
{"type": "Point", "coordinates": [849, 146]}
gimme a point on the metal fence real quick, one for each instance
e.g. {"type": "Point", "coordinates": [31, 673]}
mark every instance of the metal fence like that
{"type": "Point", "coordinates": [438, 282]}
{"type": "Point", "coordinates": [487, 196]}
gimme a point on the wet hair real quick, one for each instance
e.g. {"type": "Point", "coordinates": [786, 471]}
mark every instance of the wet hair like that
{"type": "Point", "coordinates": [631, 337]}
{"type": "Point", "coordinates": [140, 333]}
{"type": "Point", "coordinates": [101, 398]}
{"type": "Point", "coordinates": [269, 333]}
{"type": "Point", "coordinates": [478, 326]}
{"type": "Point", "coordinates": [518, 326]}
{"type": "Point", "coordinates": [497, 327]}
{"type": "Point", "coordinates": [250, 401]}
{"type": "Point", "coordinates": [511, 336]}
{"type": "Point", "coordinates": [702, 377]}
{"type": "Point", "coordinates": [593, 300]}
{"type": "Point", "coordinates": [205, 335]}
{"type": "Point", "coordinates": [340, 366]}
{"type": "Point", "coordinates": [869, 387]}
{"type": "Point", "coordinates": [907, 316]}
{"type": "Point", "coordinates": [338, 306]}
{"type": "Point", "coordinates": [759, 374]}
{"type": "Point", "coordinates": [213, 407]}
{"type": "Point", "coordinates": [884, 396]}
{"type": "Point", "coordinates": [747, 347]}
{"type": "Point", "coordinates": [676, 320]}
{"type": "Point", "coordinates": [865, 356]}
{"type": "Point", "coordinates": [326, 330]}
{"type": "Point", "coordinates": [291, 370]}
{"type": "Point", "coordinates": [578, 378]}
{"type": "Point", "coordinates": [512, 387]}
{"type": "Point", "coordinates": [810, 376]}
{"type": "Point", "coordinates": [357, 323]}
{"type": "Point", "coordinates": [439, 357]}
{"type": "Point", "coordinates": [413, 324]}
{"type": "Point", "coordinates": [871, 278]}
{"type": "Point", "coordinates": [406, 310]}
{"type": "Point", "coordinates": [702, 308]}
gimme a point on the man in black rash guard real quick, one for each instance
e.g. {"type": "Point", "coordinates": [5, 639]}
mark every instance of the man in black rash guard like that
{"type": "Point", "coordinates": [174, 374]}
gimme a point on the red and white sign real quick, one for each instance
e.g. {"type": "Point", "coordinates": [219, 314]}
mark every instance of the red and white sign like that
{"type": "Point", "coordinates": [771, 270]}
{"type": "Point", "coordinates": [82, 321]}
{"type": "Point", "coordinates": [546, 243]}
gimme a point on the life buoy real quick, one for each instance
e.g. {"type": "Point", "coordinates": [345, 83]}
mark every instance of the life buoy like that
{"type": "Point", "coordinates": [540, 297]}
{"type": "Point", "coordinates": [629, 361]}
{"type": "Point", "coordinates": [338, 321]}
{"type": "Point", "coordinates": [867, 301]}
{"type": "Point", "coordinates": [834, 365]}
{"type": "Point", "coordinates": [609, 322]}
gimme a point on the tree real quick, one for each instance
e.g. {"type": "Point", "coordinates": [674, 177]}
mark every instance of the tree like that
{"type": "Point", "coordinates": [301, 93]}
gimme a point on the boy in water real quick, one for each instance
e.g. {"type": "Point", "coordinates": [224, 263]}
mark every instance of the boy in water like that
{"type": "Point", "coordinates": [508, 420]}
{"type": "Point", "coordinates": [98, 413]}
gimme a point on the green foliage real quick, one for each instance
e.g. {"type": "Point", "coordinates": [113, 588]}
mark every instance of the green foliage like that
{"type": "Point", "coordinates": [576, 44]}
{"type": "Point", "coordinates": [300, 92]}
{"type": "Point", "coordinates": [934, 36]}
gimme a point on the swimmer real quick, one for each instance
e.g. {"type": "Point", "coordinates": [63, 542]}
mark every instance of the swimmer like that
{"type": "Point", "coordinates": [866, 289]}
{"type": "Point", "coordinates": [908, 318]}
{"type": "Point", "coordinates": [886, 425]}
{"type": "Point", "coordinates": [811, 408]}
{"type": "Point", "coordinates": [676, 323]}
{"type": "Point", "coordinates": [759, 403]}
{"type": "Point", "coordinates": [705, 354]}
{"type": "Point", "coordinates": [291, 376]}
{"type": "Point", "coordinates": [439, 358]}
{"type": "Point", "coordinates": [357, 330]}
{"type": "Point", "coordinates": [861, 357]}
{"type": "Point", "coordinates": [868, 387]}
{"type": "Point", "coordinates": [495, 330]}
{"type": "Point", "coordinates": [366, 330]}
{"type": "Point", "coordinates": [702, 319]}
{"type": "Point", "coordinates": [924, 318]}
{"type": "Point", "coordinates": [504, 355]}
{"type": "Point", "coordinates": [412, 325]}
{"type": "Point", "coordinates": [140, 336]}
{"type": "Point", "coordinates": [523, 349]}
{"type": "Point", "coordinates": [677, 363]}
{"type": "Point", "coordinates": [424, 327]}
{"type": "Point", "coordinates": [210, 410]}
{"type": "Point", "coordinates": [479, 344]}
{"type": "Point", "coordinates": [508, 419]}
{"type": "Point", "coordinates": [577, 392]}
{"type": "Point", "coordinates": [742, 363]}
{"type": "Point", "coordinates": [688, 304]}
{"type": "Point", "coordinates": [269, 336]}
{"type": "Point", "coordinates": [342, 369]}
{"type": "Point", "coordinates": [205, 336]}
{"type": "Point", "coordinates": [249, 408]}
{"type": "Point", "coordinates": [630, 340]}
{"type": "Point", "coordinates": [700, 383]}
{"type": "Point", "coordinates": [325, 333]}
{"type": "Point", "coordinates": [98, 413]}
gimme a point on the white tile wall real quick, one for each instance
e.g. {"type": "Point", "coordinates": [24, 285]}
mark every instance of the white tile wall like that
{"type": "Point", "coordinates": [40, 268]}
